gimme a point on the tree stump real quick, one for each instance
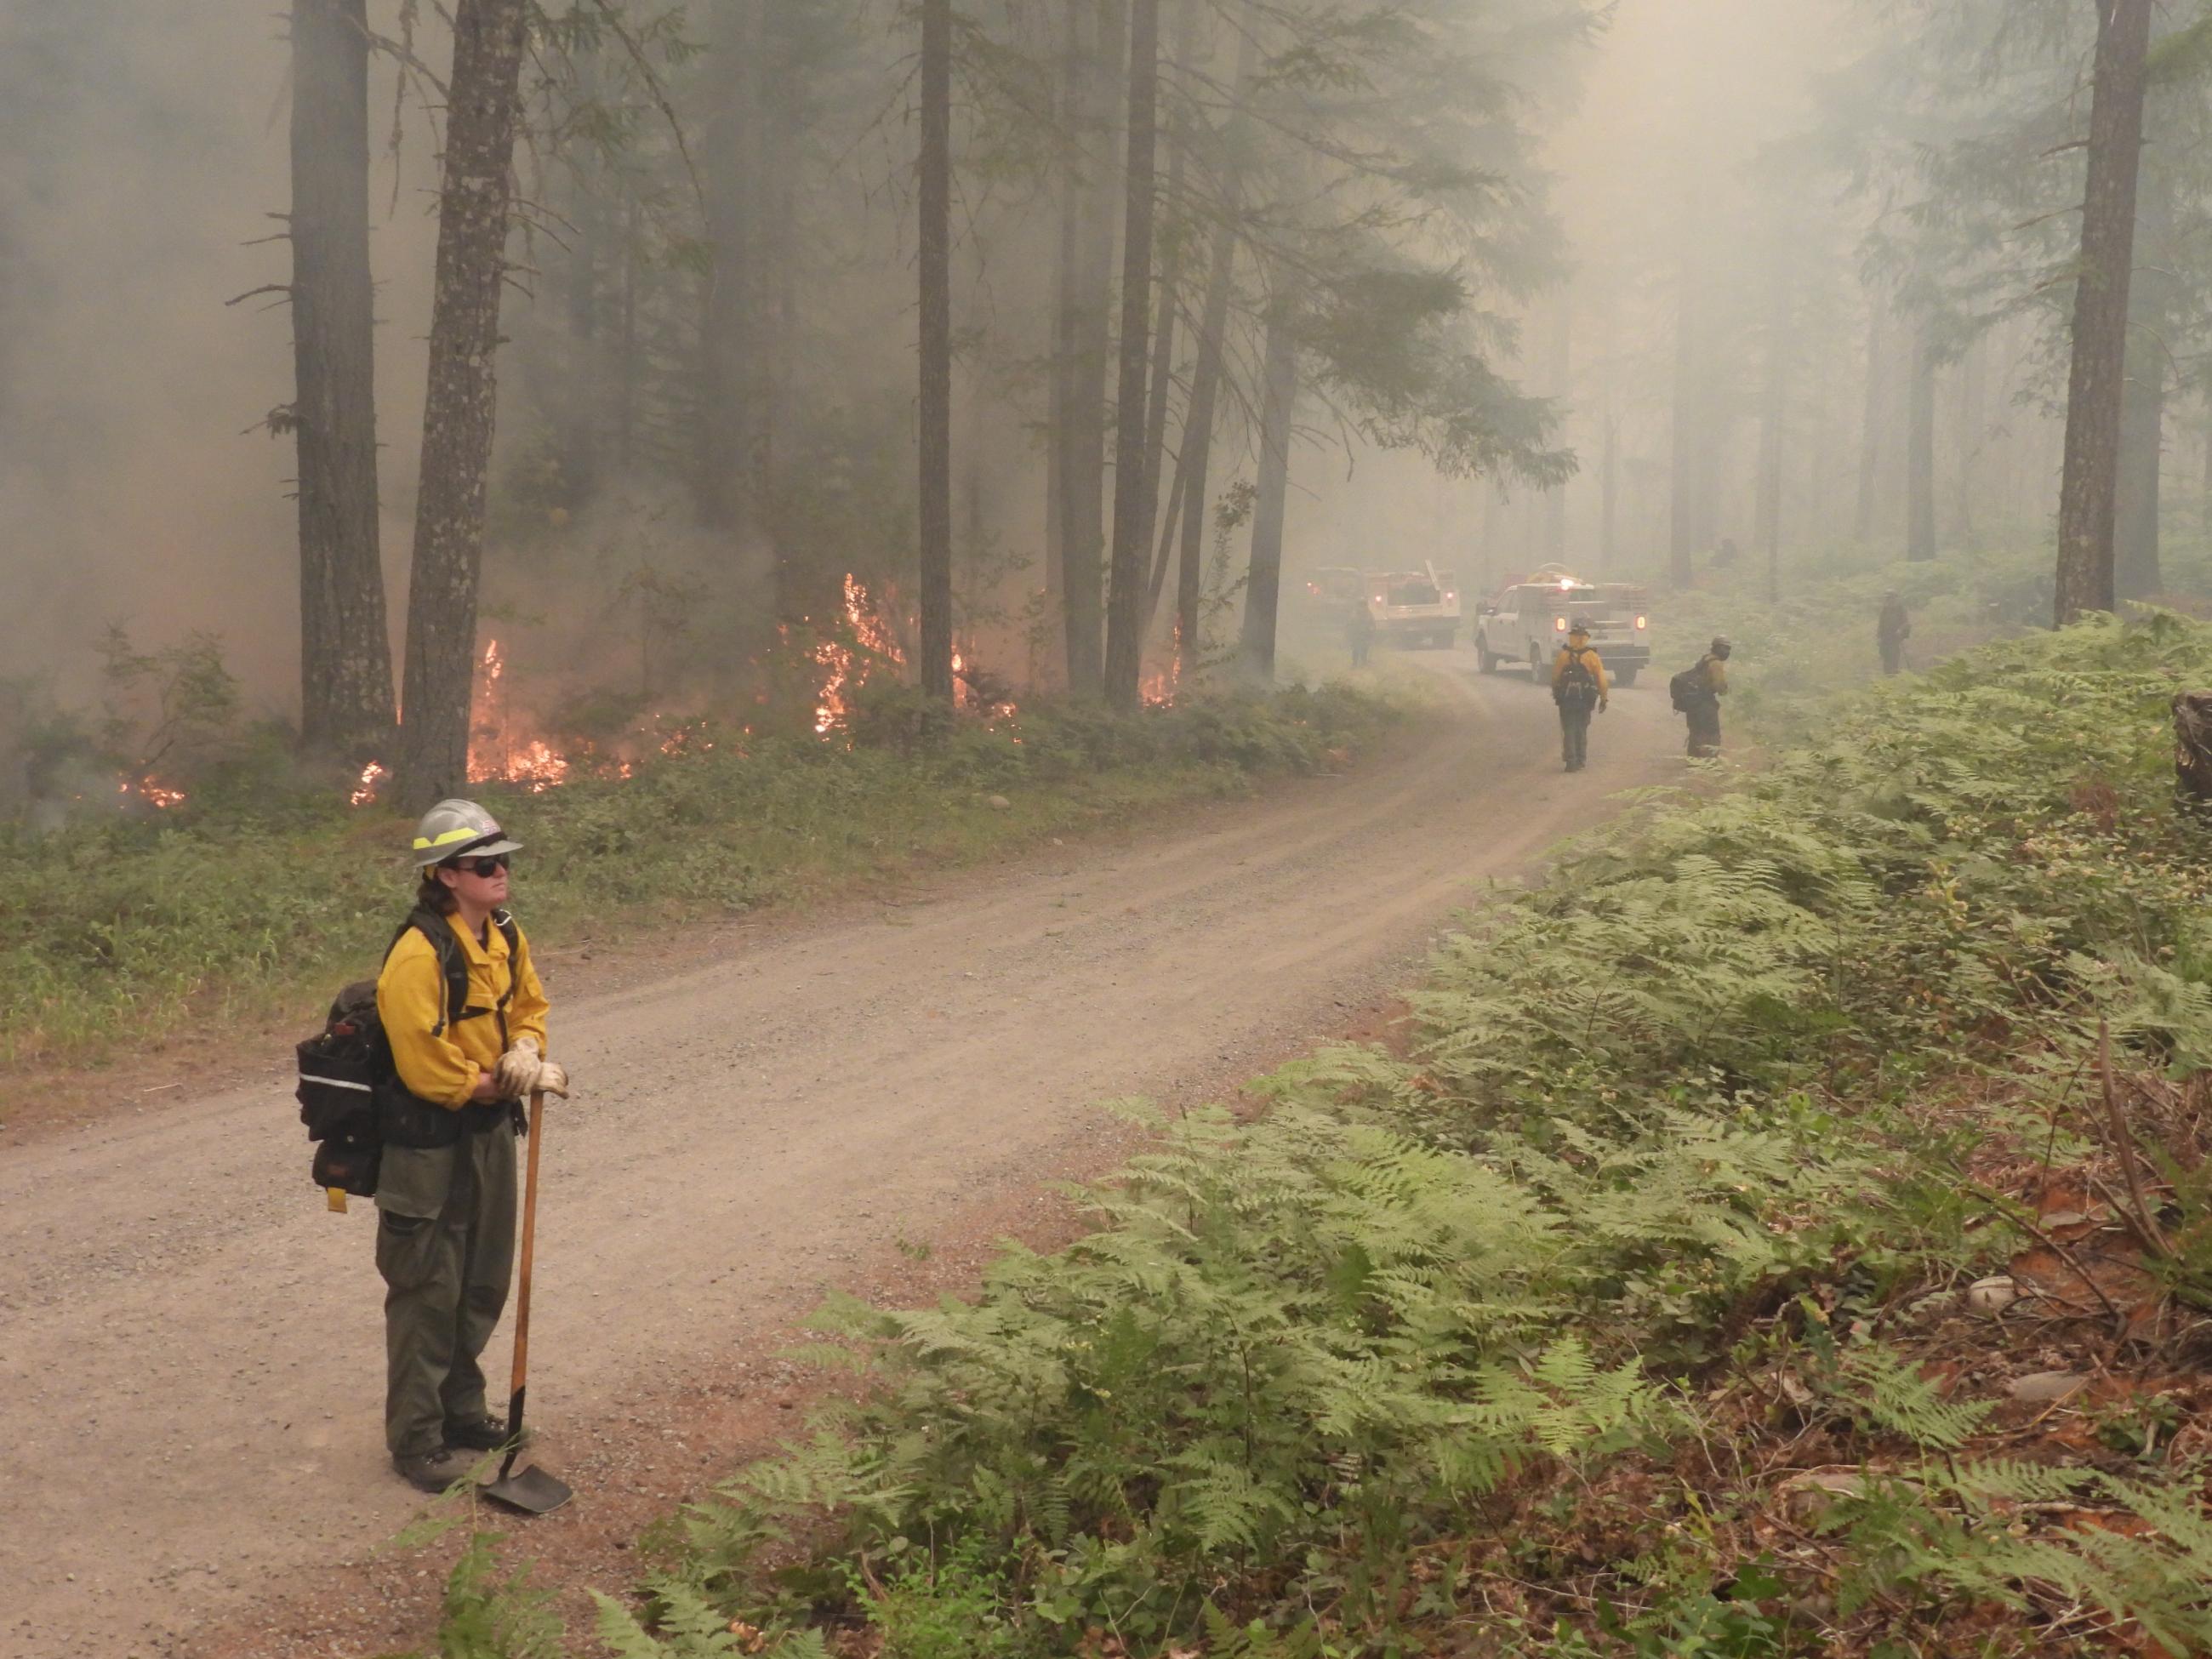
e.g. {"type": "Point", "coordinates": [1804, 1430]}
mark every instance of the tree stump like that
{"type": "Point", "coordinates": [2192, 753]}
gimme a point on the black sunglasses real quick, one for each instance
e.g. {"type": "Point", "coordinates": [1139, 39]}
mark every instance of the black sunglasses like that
{"type": "Point", "coordinates": [485, 868]}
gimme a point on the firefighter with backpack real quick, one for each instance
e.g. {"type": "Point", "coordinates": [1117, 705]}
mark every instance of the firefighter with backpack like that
{"type": "Point", "coordinates": [463, 1016]}
{"type": "Point", "coordinates": [1579, 688]}
{"type": "Point", "coordinates": [1697, 692]}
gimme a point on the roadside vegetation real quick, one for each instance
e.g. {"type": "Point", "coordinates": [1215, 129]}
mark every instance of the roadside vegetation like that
{"type": "Point", "coordinates": [1794, 654]}
{"type": "Point", "coordinates": [1751, 1250]}
{"type": "Point", "coordinates": [262, 889]}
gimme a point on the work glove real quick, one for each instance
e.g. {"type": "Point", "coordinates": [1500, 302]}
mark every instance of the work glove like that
{"type": "Point", "coordinates": [516, 1074]}
{"type": "Point", "coordinates": [553, 1078]}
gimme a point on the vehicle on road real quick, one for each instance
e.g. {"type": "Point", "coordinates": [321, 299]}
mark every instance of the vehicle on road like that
{"type": "Point", "coordinates": [1410, 607]}
{"type": "Point", "coordinates": [1527, 621]}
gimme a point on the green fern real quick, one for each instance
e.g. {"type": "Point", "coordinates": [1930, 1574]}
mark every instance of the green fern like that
{"type": "Point", "coordinates": [1895, 1397]}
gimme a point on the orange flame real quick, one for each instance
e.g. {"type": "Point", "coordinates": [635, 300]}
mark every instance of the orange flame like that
{"type": "Point", "coordinates": [495, 755]}
{"type": "Point", "coordinates": [364, 794]}
{"type": "Point", "coordinates": [847, 669]}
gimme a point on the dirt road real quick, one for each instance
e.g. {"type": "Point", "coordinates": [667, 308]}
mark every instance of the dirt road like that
{"type": "Point", "coordinates": [190, 1348]}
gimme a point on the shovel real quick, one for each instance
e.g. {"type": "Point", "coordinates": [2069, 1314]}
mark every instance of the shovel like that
{"type": "Point", "coordinates": [532, 1491]}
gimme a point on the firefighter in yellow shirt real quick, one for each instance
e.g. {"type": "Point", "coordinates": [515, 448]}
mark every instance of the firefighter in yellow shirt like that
{"type": "Point", "coordinates": [1579, 687]}
{"type": "Point", "coordinates": [465, 1015]}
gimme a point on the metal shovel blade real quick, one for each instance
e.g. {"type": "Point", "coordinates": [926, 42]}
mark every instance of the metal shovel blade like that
{"type": "Point", "coordinates": [532, 1491]}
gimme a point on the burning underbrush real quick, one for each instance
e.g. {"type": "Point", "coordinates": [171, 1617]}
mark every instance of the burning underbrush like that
{"type": "Point", "coordinates": [846, 680]}
{"type": "Point", "coordinates": [269, 882]}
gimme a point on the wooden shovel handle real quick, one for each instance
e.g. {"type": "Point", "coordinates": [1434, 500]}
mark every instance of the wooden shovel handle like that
{"type": "Point", "coordinates": [529, 1239]}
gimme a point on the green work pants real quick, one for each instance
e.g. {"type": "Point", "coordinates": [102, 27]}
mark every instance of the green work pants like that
{"type": "Point", "coordinates": [1705, 728]}
{"type": "Point", "coordinates": [445, 1244]}
{"type": "Point", "coordinates": [1574, 734]}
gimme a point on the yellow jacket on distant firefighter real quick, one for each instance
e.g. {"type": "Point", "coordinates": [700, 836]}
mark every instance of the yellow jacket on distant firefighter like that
{"type": "Point", "coordinates": [411, 1000]}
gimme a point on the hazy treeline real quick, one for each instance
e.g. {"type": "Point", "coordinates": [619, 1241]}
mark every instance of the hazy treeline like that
{"type": "Point", "coordinates": [1041, 318]}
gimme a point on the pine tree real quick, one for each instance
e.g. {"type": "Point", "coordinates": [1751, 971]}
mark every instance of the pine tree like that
{"type": "Point", "coordinates": [484, 108]}
{"type": "Point", "coordinates": [345, 648]}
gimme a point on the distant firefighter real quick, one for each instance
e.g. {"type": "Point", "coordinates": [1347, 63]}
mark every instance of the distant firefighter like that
{"type": "Point", "coordinates": [1891, 631]}
{"type": "Point", "coordinates": [1697, 692]}
{"type": "Point", "coordinates": [1579, 688]}
{"type": "Point", "coordinates": [1359, 633]}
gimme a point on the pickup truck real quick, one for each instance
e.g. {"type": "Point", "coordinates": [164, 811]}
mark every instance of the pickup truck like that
{"type": "Point", "coordinates": [1528, 623]}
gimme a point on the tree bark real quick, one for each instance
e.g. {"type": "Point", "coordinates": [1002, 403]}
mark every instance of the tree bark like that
{"type": "Point", "coordinates": [1561, 376]}
{"type": "Point", "coordinates": [2090, 489]}
{"type": "Point", "coordinates": [1125, 621]}
{"type": "Point", "coordinates": [1163, 350]}
{"type": "Point", "coordinates": [2151, 311]}
{"type": "Point", "coordinates": [1608, 526]}
{"type": "Point", "coordinates": [1773, 411]}
{"type": "Point", "coordinates": [936, 263]}
{"type": "Point", "coordinates": [1263, 584]}
{"type": "Point", "coordinates": [1920, 456]}
{"type": "Point", "coordinates": [461, 408]}
{"type": "Point", "coordinates": [1871, 423]}
{"type": "Point", "coordinates": [733, 436]}
{"type": "Point", "coordinates": [1198, 433]}
{"type": "Point", "coordinates": [1973, 369]}
{"type": "Point", "coordinates": [1690, 510]}
{"type": "Point", "coordinates": [2135, 563]}
{"type": "Point", "coordinates": [345, 640]}
{"type": "Point", "coordinates": [1086, 294]}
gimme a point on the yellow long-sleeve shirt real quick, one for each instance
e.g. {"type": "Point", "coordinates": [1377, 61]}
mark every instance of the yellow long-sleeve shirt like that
{"type": "Point", "coordinates": [1591, 660]}
{"type": "Point", "coordinates": [410, 1000]}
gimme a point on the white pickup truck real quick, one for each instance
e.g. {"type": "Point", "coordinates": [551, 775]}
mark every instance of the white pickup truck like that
{"type": "Point", "coordinates": [1529, 620]}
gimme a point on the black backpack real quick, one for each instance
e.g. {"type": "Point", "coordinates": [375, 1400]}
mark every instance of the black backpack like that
{"type": "Point", "coordinates": [351, 1099]}
{"type": "Point", "coordinates": [1688, 690]}
{"type": "Point", "coordinates": [1578, 686]}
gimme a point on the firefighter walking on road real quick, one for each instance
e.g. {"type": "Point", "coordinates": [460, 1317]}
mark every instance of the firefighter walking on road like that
{"type": "Point", "coordinates": [1578, 686]}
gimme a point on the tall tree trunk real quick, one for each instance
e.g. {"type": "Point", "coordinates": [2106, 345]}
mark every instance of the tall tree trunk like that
{"type": "Point", "coordinates": [1773, 411]}
{"type": "Point", "coordinates": [1132, 522]}
{"type": "Point", "coordinates": [1263, 586]}
{"type": "Point", "coordinates": [2204, 496]}
{"type": "Point", "coordinates": [1873, 423]}
{"type": "Point", "coordinates": [1088, 294]}
{"type": "Point", "coordinates": [1690, 529]}
{"type": "Point", "coordinates": [1609, 524]}
{"type": "Point", "coordinates": [1561, 378]}
{"type": "Point", "coordinates": [1163, 350]}
{"type": "Point", "coordinates": [1973, 396]}
{"type": "Point", "coordinates": [628, 365]}
{"type": "Point", "coordinates": [2137, 573]}
{"type": "Point", "coordinates": [2090, 488]}
{"type": "Point", "coordinates": [1198, 431]}
{"type": "Point", "coordinates": [345, 642]}
{"type": "Point", "coordinates": [740, 181]}
{"type": "Point", "coordinates": [1920, 456]}
{"type": "Point", "coordinates": [459, 412]}
{"type": "Point", "coordinates": [2151, 309]}
{"type": "Point", "coordinates": [936, 261]}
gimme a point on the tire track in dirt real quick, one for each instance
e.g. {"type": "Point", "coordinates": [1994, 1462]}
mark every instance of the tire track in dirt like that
{"type": "Point", "coordinates": [191, 1350]}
